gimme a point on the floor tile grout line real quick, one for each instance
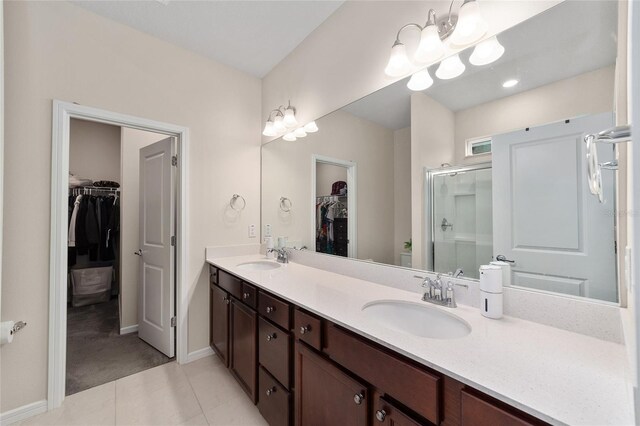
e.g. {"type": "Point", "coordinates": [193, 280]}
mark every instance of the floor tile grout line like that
{"type": "Point", "coordinates": [194, 393]}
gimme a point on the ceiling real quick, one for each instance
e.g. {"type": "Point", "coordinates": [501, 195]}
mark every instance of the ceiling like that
{"type": "Point", "coordinates": [570, 39]}
{"type": "Point", "coordinates": [252, 36]}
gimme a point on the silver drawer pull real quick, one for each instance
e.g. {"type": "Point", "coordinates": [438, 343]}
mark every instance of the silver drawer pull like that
{"type": "Point", "coordinates": [381, 415]}
{"type": "Point", "coordinates": [358, 398]}
{"type": "Point", "coordinates": [226, 300]}
{"type": "Point", "coordinates": [245, 296]}
{"type": "Point", "coordinates": [270, 391]}
{"type": "Point", "coordinates": [305, 329]}
{"type": "Point", "coordinates": [270, 309]}
{"type": "Point", "coordinates": [271, 337]}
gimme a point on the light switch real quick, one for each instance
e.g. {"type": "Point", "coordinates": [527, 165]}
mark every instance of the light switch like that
{"type": "Point", "coordinates": [267, 230]}
{"type": "Point", "coordinates": [252, 231]}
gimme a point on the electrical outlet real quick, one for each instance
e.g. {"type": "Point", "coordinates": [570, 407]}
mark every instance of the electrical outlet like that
{"type": "Point", "coordinates": [252, 231]}
{"type": "Point", "coordinates": [267, 230]}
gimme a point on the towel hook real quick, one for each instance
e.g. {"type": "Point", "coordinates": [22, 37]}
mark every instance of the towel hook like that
{"type": "Point", "coordinates": [285, 204]}
{"type": "Point", "coordinates": [234, 200]}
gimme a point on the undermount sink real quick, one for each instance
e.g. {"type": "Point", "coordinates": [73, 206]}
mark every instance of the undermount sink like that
{"type": "Point", "coordinates": [418, 319]}
{"type": "Point", "coordinates": [259, 265]}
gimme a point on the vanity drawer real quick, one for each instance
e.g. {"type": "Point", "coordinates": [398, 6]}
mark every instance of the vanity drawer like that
{"type": "Point", "coordinates": [477, 411]}
{"type": "Point", "coordinates": [275, 351]}
{"type": "Point", "coordinates": [389, 414]}
{"type": "Point", "coordinates": [308, 328]}
{"type": "Point", "coordinates": [230, 283]}
{"type": "Point", "coordinates": [213, 274]}
{"type": "Point", "coordinates": [405, 382]}
{"type": "Point", "coordinates": [274, 309]}
{"type": "Point", "coordinates": [249, 295]}
{"type": "Point", "coordinates": [274, 402]}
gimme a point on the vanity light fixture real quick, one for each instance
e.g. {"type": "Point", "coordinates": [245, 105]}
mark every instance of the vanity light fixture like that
{"type": "Point", "coordinates": [463, 29]}
{"type": "Point", "coordinates": [290, 137]}
{"type": "Point", "coordinates": [420, 81]}
{"type": "Point", "coordinates": [486, 52]}
{"type": "Point", "coordinates": [311, 127]}
{"type": "Point", "coordinates": [510, 83]}
{"type": "Point", "coordinates": [450, 68]}
{"type": "Point", "coordinates": [283, 120]}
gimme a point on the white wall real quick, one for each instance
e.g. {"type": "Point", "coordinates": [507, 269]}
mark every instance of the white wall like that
{"type": "Point", "coordinates": [286, 172]}
{"type": "Point", "coordinates": [132, 141]}
{"type": "Point", "coordinates": [326, 175]}
{"type": "Point", "coordinates": [94, 150]}
{"type": "Point", "coordinates": [401, 190]}
{"type": "Point", "coordinates": [432, 135]}
{"type": "Point", "coordinates": [56, 50]}
{"type": "Point", "coordinates": [344, 58]}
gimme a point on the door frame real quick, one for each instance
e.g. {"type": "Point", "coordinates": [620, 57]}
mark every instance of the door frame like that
{"type": "Point", "coordinates": [62, 113]}
{"type": "Point", "coordinates": [352, 204]}
{"type": "Point", "coordinates": [428, 225]}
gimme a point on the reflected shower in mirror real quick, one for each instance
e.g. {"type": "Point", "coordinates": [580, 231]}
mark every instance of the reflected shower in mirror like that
{"type": "Point", "coordinates": [371, 183]}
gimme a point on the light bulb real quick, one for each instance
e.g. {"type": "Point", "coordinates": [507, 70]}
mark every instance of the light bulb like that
{"type": "Point", "coordinates": [278, 125]}
{"type": "Point", "coordinates": [486, 52]}
{"type": "Point", "coordinates": [510, 83]}
{"type": "Point", "coordinates": [268, 129]}
{"type": "Point", "coordinates": [300, 133]}
{"type": "Point", "coordinates": [431, 47]}
{"type": "Point", "coordinates": [398, 64]}
{"type": "Point", "coordinates": [289, 119]}
{"type": "Point", "coordinates": [420, 81]}
{"type": "Point", "coordinates": [450, 68]}
{"type": "Point", "coordinates": [290, 137]}
{"type": "Point", "coordinates": [311, 127]}
{"type": "Point", "coordinates": [470, 27]}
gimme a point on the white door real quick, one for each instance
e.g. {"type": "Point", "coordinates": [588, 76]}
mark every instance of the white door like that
{"type": "Point", "coordinates": [544, 217]}
{"type": "Point", "coordinates": [156, 286]}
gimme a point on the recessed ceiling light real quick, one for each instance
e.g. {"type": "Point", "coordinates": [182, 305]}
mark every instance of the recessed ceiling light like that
{"type": "Point", "coordinates": [510, 83]}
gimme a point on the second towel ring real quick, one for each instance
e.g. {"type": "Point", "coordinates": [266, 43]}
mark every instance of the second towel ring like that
{"type": "Point", "coordinates": [285, 204]}
{"type": "Point", "coordinates": [234, 201]}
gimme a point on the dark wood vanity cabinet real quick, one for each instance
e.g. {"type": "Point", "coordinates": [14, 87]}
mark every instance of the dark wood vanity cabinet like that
{"type": "Point", "coordinates": [297, 366]}
{"type": "Point", "coordinates": [219, 302]}
{"type": "Point", "coordinates": [244, 323]}
{"type": "Point", "coordinates": [326, 395]}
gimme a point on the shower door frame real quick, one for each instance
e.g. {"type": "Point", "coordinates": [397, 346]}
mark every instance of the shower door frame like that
{"type": "Point", "coordinates": [429, 214]}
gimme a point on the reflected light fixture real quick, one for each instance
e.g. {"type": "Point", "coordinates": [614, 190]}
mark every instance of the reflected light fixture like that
{"type": "Point", "coordinates": [449, 68]}
{"type": "Point", "coordinates": [510, 83]}
{"type": "Point", "coordinates": [289, 137]}
{"type": "Point", "coordinates": [486, 52]}
{"type": "Point", "coordinates": [462, 29]}
{"type": "Point", "coordinates": [311, 127]}
{"type": "Point", "coordinates": [283, 120]}
{"type": "Point", "coordinates": [470, 27]}
{"type": "Point", "coordinates": [420, 81]}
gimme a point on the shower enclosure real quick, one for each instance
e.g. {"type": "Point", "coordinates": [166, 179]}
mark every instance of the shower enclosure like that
{"type": "Point", "coordinates": [458, 217]}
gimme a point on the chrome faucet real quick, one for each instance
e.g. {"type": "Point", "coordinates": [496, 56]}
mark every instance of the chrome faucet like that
{"type": "Point", "coordinates": [436, 293]}
{"type": "Point", "coordinates": [459, 272]}
{"type": "Point", "coordinates": [283, 254]}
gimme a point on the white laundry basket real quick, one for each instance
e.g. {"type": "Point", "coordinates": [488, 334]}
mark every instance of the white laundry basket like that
{"type": "Point", "coordinates": [91, 285]}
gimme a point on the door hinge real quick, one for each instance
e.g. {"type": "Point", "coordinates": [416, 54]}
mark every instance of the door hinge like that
{"type": "Point", "coordinates": [174, 160]}
{"type": "Point", "coordinates": [173, 322]}
{"type": "Point", "coordinates": [173, 240]}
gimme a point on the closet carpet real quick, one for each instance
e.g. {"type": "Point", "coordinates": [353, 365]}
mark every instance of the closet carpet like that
{"type": "Point", "coordinates": [97, 353]}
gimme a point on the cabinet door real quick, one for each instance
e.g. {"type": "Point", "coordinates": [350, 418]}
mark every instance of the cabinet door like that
{"type": "Point", "coordinates": [219, 322]}
{"type": "Point", "coordinates": [325, 395]}
{"type": "Point", "coordinates": [244, 322]}
{"type": "Point", "coordinates": [477, 411]}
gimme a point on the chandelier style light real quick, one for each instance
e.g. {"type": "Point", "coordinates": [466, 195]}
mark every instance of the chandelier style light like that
{"type": "Point", "coordinates": [282, 121]}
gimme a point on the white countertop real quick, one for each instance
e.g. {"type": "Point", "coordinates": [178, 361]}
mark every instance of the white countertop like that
{"type": "Point", "coordinates": [555, 375]}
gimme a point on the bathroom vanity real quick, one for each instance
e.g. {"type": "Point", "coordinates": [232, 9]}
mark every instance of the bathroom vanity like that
{"type": "Point", "coordinates": [301, 346]}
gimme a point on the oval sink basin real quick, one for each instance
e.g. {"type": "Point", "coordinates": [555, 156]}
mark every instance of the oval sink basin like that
{"type": "Point", "coordinates": [259, 265]}
{"type": "Point", "coordinates": [418, 319]}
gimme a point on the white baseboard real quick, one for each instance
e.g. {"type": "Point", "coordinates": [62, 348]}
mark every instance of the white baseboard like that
{"type": "Point", "coordinates": [200, 353]}
{"type": "Point", "coordinates": [129, 329]}
{"type": "Point", "coordinates": [24, 412]}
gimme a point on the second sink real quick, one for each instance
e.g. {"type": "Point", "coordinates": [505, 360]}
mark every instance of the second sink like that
{"type": "Point", "coordinates": [416, 318]}
{"type": "Point", "coordinates": [258, 265]}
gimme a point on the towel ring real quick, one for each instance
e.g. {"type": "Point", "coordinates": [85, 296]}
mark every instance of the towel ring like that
{"type": "Point", "coordinates": [234, 200]}
{"type": "Point", "coordinates": [285, 204]}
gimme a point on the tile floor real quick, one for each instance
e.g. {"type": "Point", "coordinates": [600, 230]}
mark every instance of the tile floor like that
{"type": "Point", "coordinates": [200, 393]}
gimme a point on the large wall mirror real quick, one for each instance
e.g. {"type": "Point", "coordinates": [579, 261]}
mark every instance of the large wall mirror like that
{"type": "Point", "coordinates": [488, 164]}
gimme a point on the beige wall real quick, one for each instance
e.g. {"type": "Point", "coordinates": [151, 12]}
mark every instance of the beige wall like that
{"type": "Point", "coordinates": [132, 141]}
{"type": "Point", "coordinates": [587, 93]}
{"type": "Point", "coordinates": [432, 135]}
{"type": "Point", "coordinates": [94, 150]}
{"type": "Point", "coordinates": [326, 175]}
{"type": "Point", "coordinates": [55, 50]}
{"type": "Point", "coordinates": [401, 190]}
{"type": "Point", "coordinates": [339, 63]}
{"type": "Point", "coordinates": [286, 172]}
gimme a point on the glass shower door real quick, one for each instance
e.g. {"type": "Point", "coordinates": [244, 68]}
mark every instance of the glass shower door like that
{"type": "Point", "coordinates": [461, 220]}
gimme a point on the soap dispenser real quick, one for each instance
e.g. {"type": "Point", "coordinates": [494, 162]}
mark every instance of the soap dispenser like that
{"type": "Point", "coordinates": [491, 291]}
